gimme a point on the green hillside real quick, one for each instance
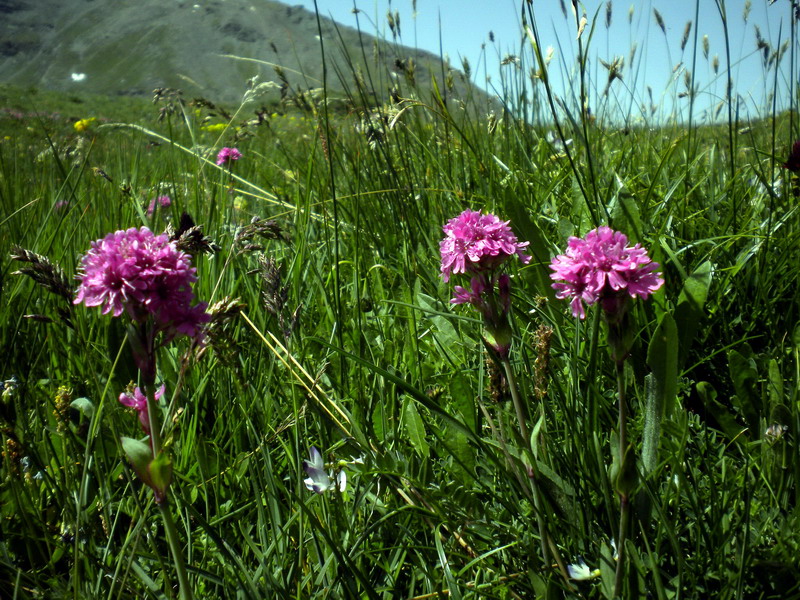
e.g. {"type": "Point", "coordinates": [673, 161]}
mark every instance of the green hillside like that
{"type": "Point", "coordinates": [130, 47]}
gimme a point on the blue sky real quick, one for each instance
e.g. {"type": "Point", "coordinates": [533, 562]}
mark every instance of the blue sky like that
{"type": "Point", "coordinates": [461, 29]}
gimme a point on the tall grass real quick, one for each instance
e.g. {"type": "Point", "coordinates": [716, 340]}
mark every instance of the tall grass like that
{"type": "Point", "coordinates": [342, 338]}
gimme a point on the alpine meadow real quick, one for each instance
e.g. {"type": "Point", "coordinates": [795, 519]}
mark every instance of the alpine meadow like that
{"type": "Point", "coordinates": [373, 332]}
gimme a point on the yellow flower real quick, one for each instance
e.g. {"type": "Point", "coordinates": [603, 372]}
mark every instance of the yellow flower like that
{"type": "Point", "coordinates": [214, 127]}
{"type": "Point", "coordinates": [83, 124]}
{"type": "Point", "coordinates": [241, 204]}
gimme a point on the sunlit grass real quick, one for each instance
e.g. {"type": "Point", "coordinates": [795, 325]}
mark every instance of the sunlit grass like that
{"type": "Point", "coordinates": [340, 335]}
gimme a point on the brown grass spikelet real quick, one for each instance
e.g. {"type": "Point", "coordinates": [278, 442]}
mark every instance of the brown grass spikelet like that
{"type": "Point", "coordinates": [213, 109]}
{"type": "Point", "coordinates": [266, 229]}
{"type": "Point", "coordinates": [275, 295]}
{"type": "Point", "coordinates": [614, 70]}
{"type": "Point", "coordinates": [660, 21]}
{"type": "Point", "coordinates": [43, 272]}
{"type": "Point", "coordinates": [686, 31]}
{"type": "Point", "coordinates": [323, 140]}
{"type": "Point", "coordinates": [189, 237]}
{"type": "Point", "coordinates": [171, 99]}
{"type": "Point", "coordinates": [498, 386]}
{"type": "Point", "coordinates": [219, 332]}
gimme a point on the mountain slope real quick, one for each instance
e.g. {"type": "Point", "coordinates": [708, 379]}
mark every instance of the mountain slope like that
{"type": "Point", "coordinates": [134, 46]}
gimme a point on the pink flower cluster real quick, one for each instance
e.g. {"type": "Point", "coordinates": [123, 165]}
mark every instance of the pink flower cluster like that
{"type": "Point", "coordinates": [476, 295]}
{"type": "Point", "coordinates": [227, 156]}
{"type": "Point", "coordinates": [601, 266]}
{"type": "Point", "coordinates": [145, 275]}
{"type": "Point", "coordinates": [138, 401]}
{"type": "Point", "coordinates": [162, 201]}
{"type": "Point", "coordinates": [476, 243]}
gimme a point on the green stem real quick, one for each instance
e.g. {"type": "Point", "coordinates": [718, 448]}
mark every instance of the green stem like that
{"type": "Point", "coordinates": [185, 589]}
{"type": "Point", "coordinates": [515, 397]}
{"type": "Point", "coordinates": [152, 417]}
{"type": "Point", "coordinates": [624, 499]}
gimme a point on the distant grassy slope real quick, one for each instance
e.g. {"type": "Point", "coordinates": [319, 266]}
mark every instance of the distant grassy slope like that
{"type": "Point", "coordinates": [132, 46]}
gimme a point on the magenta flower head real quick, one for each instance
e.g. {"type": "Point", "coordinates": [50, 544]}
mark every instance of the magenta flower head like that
{"type": "Point", "coordinates": [228, 155]}
{"type": "Point", "coordinates": [162, 201]}
{"type": "Point", "coordinates": [145, 275]}
{"type": "Point", "coordinates": [603, 267]}
{"type": "Point", "coordinates": [475, 243]}
{"type": "Point", "coordinates": [138, 401]}
{"type": "Point", "coordinates": [479, 244]}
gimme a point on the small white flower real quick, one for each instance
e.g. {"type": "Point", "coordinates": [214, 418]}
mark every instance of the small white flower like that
{"type": "Point", "coordinates": [580, 571]}
{"type": "Point", "coordinates": [555, 141]}
{"type": "Point", "coordinates": [78, 76]}
{"type": "Point", "coordinates": [319, 480]}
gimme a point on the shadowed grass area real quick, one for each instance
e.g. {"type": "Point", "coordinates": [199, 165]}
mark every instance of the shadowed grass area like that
{"type": "Point", "coordinates": [332, 328]}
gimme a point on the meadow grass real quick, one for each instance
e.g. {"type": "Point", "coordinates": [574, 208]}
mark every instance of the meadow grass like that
{"type": "Point", "coordinates": [334, 330]}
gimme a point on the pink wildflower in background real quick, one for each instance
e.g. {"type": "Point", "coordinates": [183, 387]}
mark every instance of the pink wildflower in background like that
{"type": "Point", "coordinates": [144, 275]}
{"type": "Point", "coordinates": [475, 242]}
{"type": "Point", "coordinates": [228, 155]}
{"type": "Point", "coordinates": [162, 201]}
{"type": "Point", "coordinates": [601, 266]}
{"type": "Point", "coordinates": [138, 401]}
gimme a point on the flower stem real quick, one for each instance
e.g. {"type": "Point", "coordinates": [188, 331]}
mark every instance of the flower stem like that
{"type": "Point", "coordinates": [185, 589]}
{"type": "Point", "coordinates": [515, 397]}
{"type": "Point", "coordinates": [155, 426]}
{"type": "Point", "coordinates": [624, 498]}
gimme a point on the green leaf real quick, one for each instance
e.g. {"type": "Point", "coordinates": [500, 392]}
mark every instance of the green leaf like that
{"type": "Point", "coordinates": [691, 305]}
{"type": "Point", "coordinates": [747, 400]}
{"type": "Point", "coordinates": [625, 212]}
{"type": "Point", "coordinates": [727, 422]}
{"type": "Point", "coordinates": [139, 455]}
{"type": "Point", "coordinates": [662, 357]}
{"type": "Point", "coordinates": [559, 493]}
{"type": "Point", "coordinates": [161, 472]}
{"type": "Point", "coordinates": [415, 428]}
{"type": "Point", "coordinates": [463, 455]}
{"type": "Point", "coordinates": [84, 406]}
{"type": "Point", "coordinates": [774, 384]}
{"type": "Point", "coordinates": [463, 399]}
{"type": "Point", "coordinates": [652, 424]}
{"type": "Point", "coordinates": [537, 272]}
{"type": "Point", "coordinates": [445, 332]}
{"type": "Point", "coordinates": [378, 421]}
